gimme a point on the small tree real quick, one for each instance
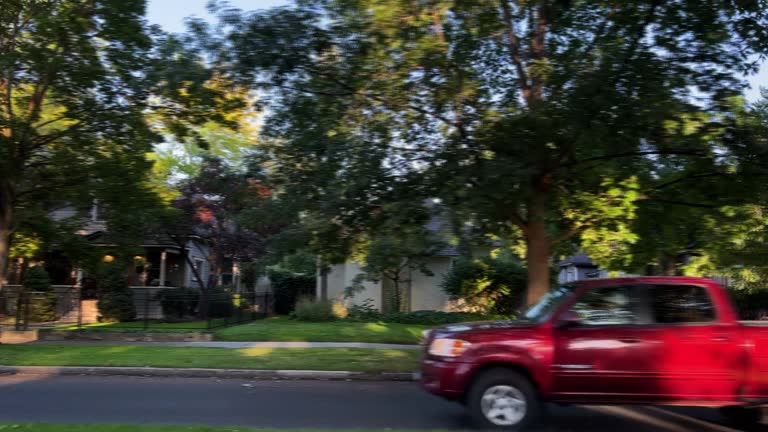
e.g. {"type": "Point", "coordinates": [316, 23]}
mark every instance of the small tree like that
{"type": "Point", "coordinates": [493, 284]}
{"type": "Point", "coordinates": [393, 255]}
{"type": "Point", "coordinates": [42, 301]}
{"type": "Point", "coordinates": [37, 280]}
{"type": "Point", "coordinates": [115, 297]}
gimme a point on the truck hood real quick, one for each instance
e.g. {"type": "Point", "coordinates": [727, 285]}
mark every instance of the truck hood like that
{"type": "Point", "coordinates": [453, 329]}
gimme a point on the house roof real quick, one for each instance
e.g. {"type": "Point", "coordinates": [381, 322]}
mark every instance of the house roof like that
{"type": "Point", "coordinates": [153, 240]}
{"type": "Point", "coordinates": [579, 260]}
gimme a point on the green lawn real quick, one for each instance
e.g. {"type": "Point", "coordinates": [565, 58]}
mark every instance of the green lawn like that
{"type": "Point", "coordinates": [352, 359]}
{"type": "Point", "coordinates": [43, 427]}
{"type": "Point", "coordinates": [285, 330]}
{"type": "Point", "coordinates": [139, 326]}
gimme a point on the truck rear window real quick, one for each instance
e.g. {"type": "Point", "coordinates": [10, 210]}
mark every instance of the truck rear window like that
{"type": "Point", "coordinates": [681, 304]}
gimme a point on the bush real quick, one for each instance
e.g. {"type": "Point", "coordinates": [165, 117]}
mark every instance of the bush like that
{"type": "Point", "coordinates": [493, 285]}
{"type": "Point", "coordinates": [115, 297]}
{"type": "Point", "coordinates": [42, 302]}
{"type": "Point", "coordinates": [311, 310]}
{"type": "Point", "coordinates": [288, 287]}
{"type": "Point", "coordinates": [179, 302]}
{"type": "Point", "coordinates": [364, 312]}
{"type": "Point", "coordinates": [751, 304]}
{"type": "Point", "coordinates": [222, 304]}
{"type": "Point", "coordinates": [37, 280]}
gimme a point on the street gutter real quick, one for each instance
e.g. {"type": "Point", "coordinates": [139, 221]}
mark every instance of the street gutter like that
{"type": "Point", "coordinates": [259, 374]}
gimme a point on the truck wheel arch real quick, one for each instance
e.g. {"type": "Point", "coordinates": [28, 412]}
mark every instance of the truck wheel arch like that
{"type": "Point", "coordinates": [497, 365]}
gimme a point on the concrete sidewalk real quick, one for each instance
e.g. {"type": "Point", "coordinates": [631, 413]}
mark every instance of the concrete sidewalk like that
{"type": "Point", "coordinates": [239, 344]}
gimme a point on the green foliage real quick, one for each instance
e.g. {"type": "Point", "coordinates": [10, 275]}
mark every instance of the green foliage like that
{"type": "Point", "coordinates": [751, 304]}
{"type": "Point", "coordinates": [491, 284]}
{"type": "Point", "coordinates": [115, 297]}
{"type": "Point", "coordinates": [311, 310]}
{"type": "Point", "coordinates": [179, 302]}
{"type": "Point", "coordinates": [288, 287]}
{"type": "Point", "coordinates": [222, 302]}
{"type": "Point", "coordinates": [364, 312]}
{"type": "Point", "coordinates": [553, 119]}
{"type": "Point", "coordinates": [37, 280]}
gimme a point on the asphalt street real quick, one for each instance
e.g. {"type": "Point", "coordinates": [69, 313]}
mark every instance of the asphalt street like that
{"type": "Point", "coordinates": [295, 404]}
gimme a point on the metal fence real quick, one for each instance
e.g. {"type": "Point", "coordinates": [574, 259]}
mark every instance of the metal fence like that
{"type": "Point", "coordinates": [149, 308]}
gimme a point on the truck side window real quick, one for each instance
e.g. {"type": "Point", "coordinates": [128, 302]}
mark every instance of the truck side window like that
{"type": "Point", "coordinates": [615, 305]}
{"type": "Point", "coordinates": [681, 304]}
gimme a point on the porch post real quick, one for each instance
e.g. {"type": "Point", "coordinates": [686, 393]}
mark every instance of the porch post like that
{"type": "Point", "coordinates": [162, 268]}
{"type": "Point", "coordinates": [78, 276]}
{"type": "Point", "coordinates": [236, 276]}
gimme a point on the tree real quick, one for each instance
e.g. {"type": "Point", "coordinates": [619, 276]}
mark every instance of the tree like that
{"type": "Point", "coordinates": [399, 246]}
{"type": "Point", "coordinates": [537, 116]}
{"type": "Point", "coordinates": [82, 84]}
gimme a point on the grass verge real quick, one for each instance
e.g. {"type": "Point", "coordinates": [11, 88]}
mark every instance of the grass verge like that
{"type": "Point", "coordinates": [138, 326]}
{"type": "Point", "coordinates": [351, 359]}
{"type": "Point", "coordinates": [282, 329]}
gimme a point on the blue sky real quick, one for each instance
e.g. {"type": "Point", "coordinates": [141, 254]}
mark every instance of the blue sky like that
{"type": "Point", "coordinates": [170, 14]}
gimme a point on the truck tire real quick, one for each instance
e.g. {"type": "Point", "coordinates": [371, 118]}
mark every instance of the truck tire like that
{"type": "Point", "coordinates": [743, 417]}
{"type": "Point", "coordinates": [503, 399]}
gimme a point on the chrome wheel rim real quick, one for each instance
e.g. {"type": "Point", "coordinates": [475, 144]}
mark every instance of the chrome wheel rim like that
{"type": "Point", "coordinates": [503, 405]}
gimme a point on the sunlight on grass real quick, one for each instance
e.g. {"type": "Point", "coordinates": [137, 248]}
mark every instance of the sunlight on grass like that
{"type": "Point", "coordinates": [282, 329]}
{"type": "Point", "coordinates": [377, 327]}
{"type": "Point", "coordinates": [256, 352]}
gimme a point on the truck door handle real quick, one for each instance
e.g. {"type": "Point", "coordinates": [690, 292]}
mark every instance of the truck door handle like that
{"type": "Point", "coordinates": [720, 339]}
{"type": "Point", "coordinates": [629, 340]}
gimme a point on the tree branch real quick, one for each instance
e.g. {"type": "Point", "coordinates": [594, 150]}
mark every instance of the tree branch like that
{"type": "Point", "coordinates": [681, 152]}
{"type": "Point", "coordinates": [513, 43]}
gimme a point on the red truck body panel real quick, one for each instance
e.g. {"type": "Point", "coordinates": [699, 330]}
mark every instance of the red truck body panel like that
{"type": "Point", "coordinates": [722, 362]}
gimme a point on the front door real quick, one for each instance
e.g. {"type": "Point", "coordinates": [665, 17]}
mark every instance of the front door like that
{"type": "Point", "coordinates": [609, 354]}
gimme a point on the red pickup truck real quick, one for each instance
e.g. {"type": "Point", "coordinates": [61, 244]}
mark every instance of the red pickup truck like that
{"type": "Point", "coordinates": [646, 340]}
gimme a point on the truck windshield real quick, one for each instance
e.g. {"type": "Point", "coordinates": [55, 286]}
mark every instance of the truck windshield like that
{"type": "Point", "coordinates": [547, 304]}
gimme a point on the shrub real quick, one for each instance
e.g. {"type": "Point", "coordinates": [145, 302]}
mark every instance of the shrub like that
{"type": "Point", "coordinates": [42, 302]}
{"type": "Point", "coordinates": [364, 312]}
{"type": "Point", "coordinates": [221, 304]}
{"type": "Point", "coordinates": [311, 310]}
{"type": "Point", "coordinates": [115, 297]}
{"type": "Point", "coordinates": [179, 302]}
{"type": "Point", "coordinates": [37, 280]}
{"type": "Point", "coordinates": [288, 287]}
{"type": "Point", "coordinates": [340, 311]}
{"type": "Point", "coordinates": [490, 284]}
{"type": "Point", "coordinates": [751, 304]}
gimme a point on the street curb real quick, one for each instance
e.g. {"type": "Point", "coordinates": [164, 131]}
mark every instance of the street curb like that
{"type": "Point", "coordinates": [208, 373]}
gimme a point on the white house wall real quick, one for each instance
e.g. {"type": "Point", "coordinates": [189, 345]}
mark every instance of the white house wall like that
{"type": "Point", "coordinates": [426, 293]}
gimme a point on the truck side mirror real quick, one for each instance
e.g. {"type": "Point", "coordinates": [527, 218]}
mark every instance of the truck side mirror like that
{"type": "Point", "coordinates": [569, 319]}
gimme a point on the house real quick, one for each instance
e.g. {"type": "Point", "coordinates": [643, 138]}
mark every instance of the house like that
{"type": "Point", "coordinates": [160, 263]}
{"type": "Point", "coordinates": [421, 291]}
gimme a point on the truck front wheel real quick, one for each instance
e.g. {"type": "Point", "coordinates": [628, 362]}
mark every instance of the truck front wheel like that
{"type": "Point", "coordinates": [503, 399]}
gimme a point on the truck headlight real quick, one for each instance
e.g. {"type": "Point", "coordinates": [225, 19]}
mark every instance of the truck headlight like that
{"type": "Point", "coordinates": [448, 347]}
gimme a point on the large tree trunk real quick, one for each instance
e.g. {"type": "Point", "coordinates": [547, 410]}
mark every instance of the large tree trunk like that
{"type": "Point", "coordinates": [537, 255]}
{"type": "Point", "coordinates": [6, 218]}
